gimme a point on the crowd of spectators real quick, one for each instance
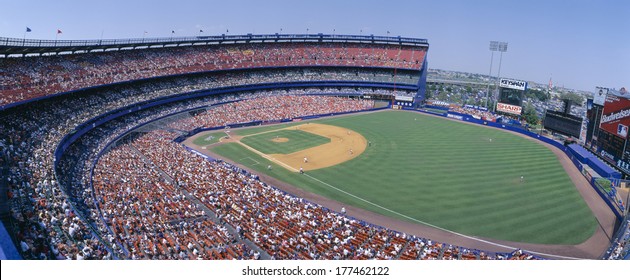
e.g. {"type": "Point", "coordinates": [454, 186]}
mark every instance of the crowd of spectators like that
{"type": "Point", "coordinates": [620, 249]}
{"type": "Point", "coordinates": [476, 113]}
{"type": "Point", "coordinates": [31, 77]}
{"type": "Point", "coordinates": [272, 108]}
{"type": "Point", "coordinates": [151, 217]}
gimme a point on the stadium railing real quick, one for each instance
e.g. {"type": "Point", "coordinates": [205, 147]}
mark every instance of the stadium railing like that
{"type": "Point", "coordinates": [217, 39]}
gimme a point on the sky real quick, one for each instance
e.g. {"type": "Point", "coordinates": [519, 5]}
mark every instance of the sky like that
{"type": "Point", "coordinates": [578, 44]}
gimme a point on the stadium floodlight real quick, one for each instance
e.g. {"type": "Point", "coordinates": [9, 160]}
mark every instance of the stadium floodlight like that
{"type": "Point", "coordinates": [494, 46]}
{"type": "Point", "coordinates": [502, 48]}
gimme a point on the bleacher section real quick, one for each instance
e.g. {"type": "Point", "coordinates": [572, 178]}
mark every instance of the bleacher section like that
{"type": "Point", "coordinates": [33, 77]}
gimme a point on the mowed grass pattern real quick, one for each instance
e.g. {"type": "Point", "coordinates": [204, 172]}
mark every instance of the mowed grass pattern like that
{"type": "Point", "coordinates": [298, 140]}
{"type": "Point", "coordinates": [451, 175]}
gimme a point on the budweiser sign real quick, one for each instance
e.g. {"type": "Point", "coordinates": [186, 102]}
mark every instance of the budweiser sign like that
{"type": "Point", "coordinates": [616, 116]}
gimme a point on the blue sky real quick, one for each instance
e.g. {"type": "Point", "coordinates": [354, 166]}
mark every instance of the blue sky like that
{"type": "Point", "coordinates": [581, 44]}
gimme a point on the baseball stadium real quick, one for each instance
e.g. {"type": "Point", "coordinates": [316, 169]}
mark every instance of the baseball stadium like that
{"type": "Point", "coordinates": [276, 147]}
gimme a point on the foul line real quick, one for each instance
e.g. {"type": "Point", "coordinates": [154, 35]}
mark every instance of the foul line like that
{"type": "Point", "coordinates": [394, 212]}
{"type": "Point", "coordinates": [433, 226]}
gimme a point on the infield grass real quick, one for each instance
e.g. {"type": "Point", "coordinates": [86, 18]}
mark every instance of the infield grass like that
{"type": "Point", "coordinates": [448, 174]}
{"type": "Point", "coordinates": [297, 140]}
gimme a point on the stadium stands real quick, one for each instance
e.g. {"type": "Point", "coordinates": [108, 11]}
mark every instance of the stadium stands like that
{"type": "Point", "coordinates": [33, 77]}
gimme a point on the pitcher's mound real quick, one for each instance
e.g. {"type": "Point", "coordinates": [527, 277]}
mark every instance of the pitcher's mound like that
{"type": "Point", "coordinates": [280, 140]}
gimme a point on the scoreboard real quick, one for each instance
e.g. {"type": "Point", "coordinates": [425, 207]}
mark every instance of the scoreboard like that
{"type": "Point", "coordinates": [511, 96]}
{"type": "Point", "coordinates": [612, 148]}
{"type": "Point", "coordinates": [563, 123]}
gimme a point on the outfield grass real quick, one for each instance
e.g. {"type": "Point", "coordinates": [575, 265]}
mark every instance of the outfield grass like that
{"type": "Point", "coordinates": [448, 174]}
{"type": "Point", "coordinates": [298, 140]}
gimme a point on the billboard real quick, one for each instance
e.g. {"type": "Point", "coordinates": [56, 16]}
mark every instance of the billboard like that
{"type": "Point", "coordinates": [599, 97]}
{"type": "Point", "coordinates": [616, 116]}
{"type": "Point", "coordinates": [511, 96]}
{"type": "Point", "coordinates": [513, 84]}
{"type": "Point", "coordinates": [404, 98]}
{"type": "Point", "coordinates": [593, 118]}
{"type": "Point", "coordinates": [508, 108]}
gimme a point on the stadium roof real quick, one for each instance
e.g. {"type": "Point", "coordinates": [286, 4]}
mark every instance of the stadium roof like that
{"type": "Point", "coordinates": [21, 47]}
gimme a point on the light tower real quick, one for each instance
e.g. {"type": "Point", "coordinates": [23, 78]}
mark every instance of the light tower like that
{"type": "Point", "coordinates": [502, 47]}
{"type": "Point", "coordinates": [494, 46]}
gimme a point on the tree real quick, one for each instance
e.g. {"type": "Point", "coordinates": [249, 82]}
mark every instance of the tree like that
{"type": "Point", "coordinates": [537, 94]}
{"type": "Point", "coordinates": [428, 94]}
{"type": "Point", "coordinates": [576, 98]}
{"type": "Point", "coordinates": [530, 115]}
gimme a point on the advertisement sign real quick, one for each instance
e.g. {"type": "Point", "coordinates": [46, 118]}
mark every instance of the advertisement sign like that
{"type": "Point", "coordinates": [513, 84]}
{"type": "Point", "coordinates": [599, 97]}
{"type": "Point", "coordinates": [475, 107]}
{"type": "Point", "coordinates": [404, 98]}
{"type": "Point", "coordinates": [616, 116]}
{"type": "Point", "coordinates": [510, 109]}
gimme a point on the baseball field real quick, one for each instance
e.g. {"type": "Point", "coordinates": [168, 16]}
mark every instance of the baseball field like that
{"type": "Point", "coordinates": [465, 178]}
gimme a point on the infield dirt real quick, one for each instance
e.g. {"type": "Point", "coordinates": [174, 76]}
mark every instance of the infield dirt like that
{"type": "Point", "coordinates": [344, 145]}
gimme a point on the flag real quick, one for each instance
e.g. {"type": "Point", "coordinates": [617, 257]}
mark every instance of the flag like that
{"type": "Point", "coordinates": [28, 29]}
{"type": "Point", "coordinates": [59, 31]}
